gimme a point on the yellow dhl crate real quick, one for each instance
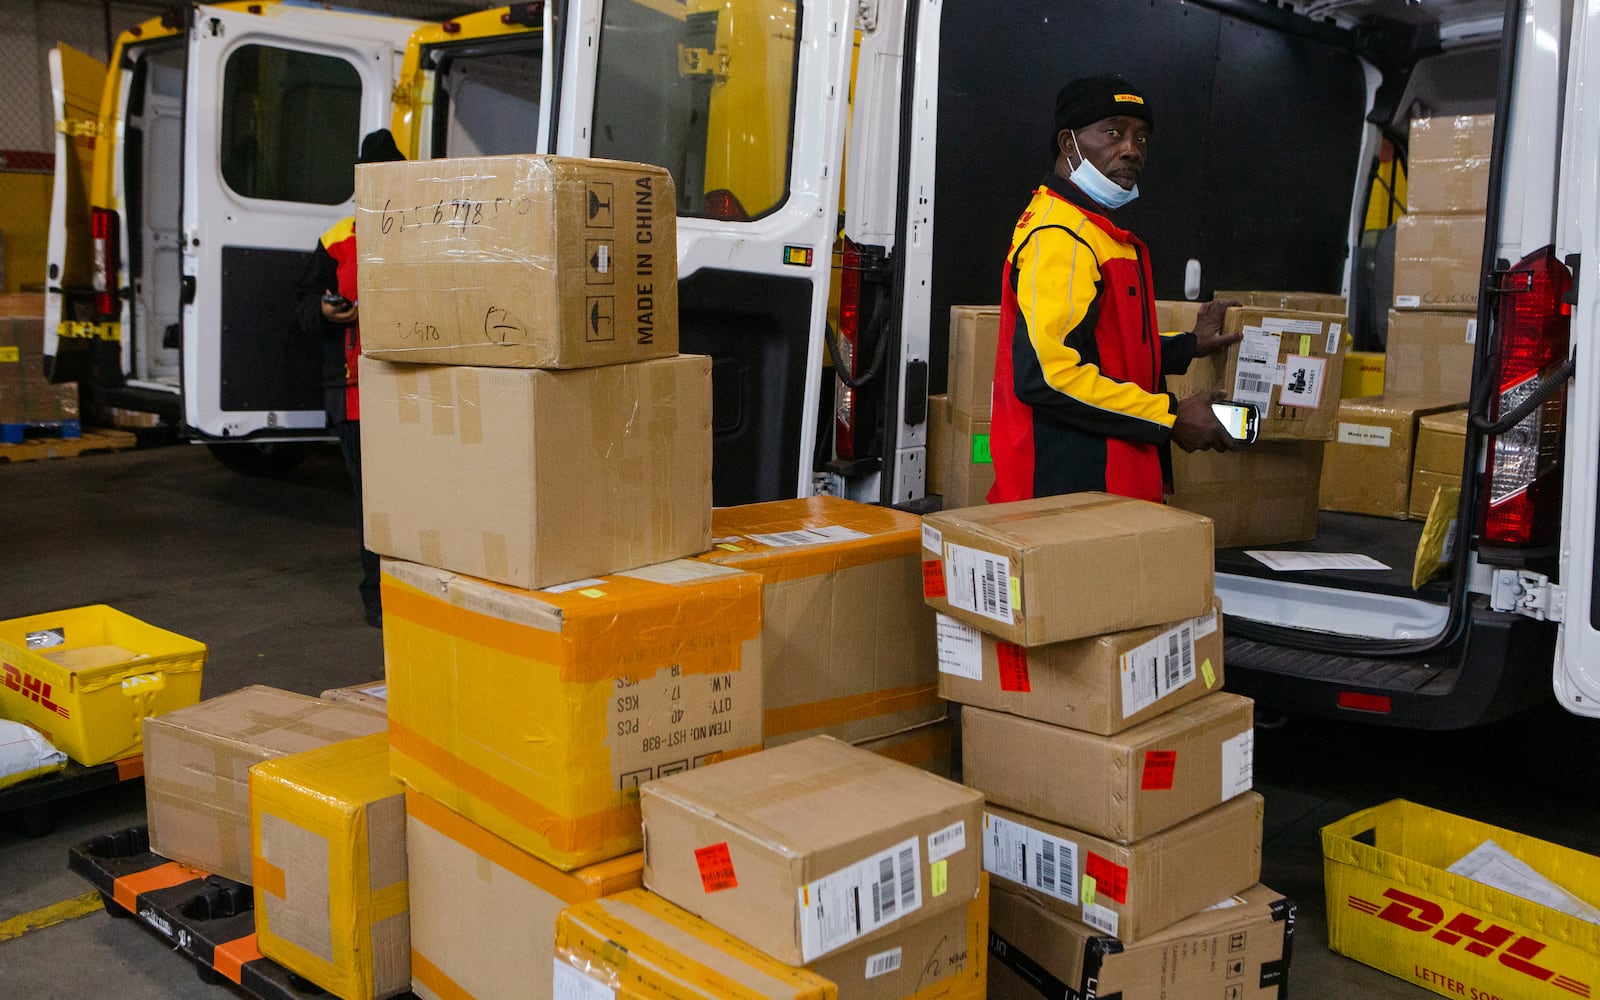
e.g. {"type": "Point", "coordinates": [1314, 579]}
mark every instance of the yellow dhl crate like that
{"type": "Point", "coordinates": [86, 678]}
{"type": "Point", "coordinates": [1393, 905]}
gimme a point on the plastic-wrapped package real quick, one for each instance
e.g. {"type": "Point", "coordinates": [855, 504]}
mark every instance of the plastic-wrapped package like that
{"type": "Point", "coordinates": [25, 753]}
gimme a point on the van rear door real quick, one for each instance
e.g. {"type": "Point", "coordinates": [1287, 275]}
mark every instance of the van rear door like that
{"type": "Point", "coordinates": [276, 105]}
{"type": "Point", "coordinates": [76, 81]}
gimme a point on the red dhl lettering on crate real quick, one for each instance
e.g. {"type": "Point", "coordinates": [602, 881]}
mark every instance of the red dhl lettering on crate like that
{"type": "Point", "coordinates": [32, 688]}
{"type": "Point", "coordinates": [1479, 937]}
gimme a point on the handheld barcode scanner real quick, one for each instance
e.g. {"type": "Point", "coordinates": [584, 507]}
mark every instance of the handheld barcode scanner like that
{"type": "Point", "coordinates": [1241, 420]}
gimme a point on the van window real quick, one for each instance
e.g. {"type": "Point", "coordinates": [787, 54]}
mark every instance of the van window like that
{"type": "Point", "coordinates": [704, 95]}
{"type": "Point", "coordinates": [291, 125]}
{"type": "Point", "coordinates": [490, 100]}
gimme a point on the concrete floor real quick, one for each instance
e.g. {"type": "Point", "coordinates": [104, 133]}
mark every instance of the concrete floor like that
{"type": "Point", "coordinates": [265, 573]}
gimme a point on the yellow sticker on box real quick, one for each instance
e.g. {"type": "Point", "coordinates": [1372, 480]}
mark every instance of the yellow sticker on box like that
{"type": "Point", "coordinates": [1016, 592]}
{"type": "Point", "coordinates": [1305, 343]}
{"type": "Point", "coordinates": [11, 354]}
{"type": "Point", "coordinates": [939, 877]}
{"type": "Point", "coordinates": [1086, 890]}
{"type": "Point", "coordinates": [594, 592]}
{"type": "Point", "coordinates": [730, 547]}
{"type": "Point", "coordinates": [1209, 674]}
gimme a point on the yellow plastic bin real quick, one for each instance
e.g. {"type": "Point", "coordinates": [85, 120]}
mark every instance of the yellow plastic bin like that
{"type": "Point", "coordinates": [87, 678]}
{"type": "Point", "coordinates": [1393, 905]}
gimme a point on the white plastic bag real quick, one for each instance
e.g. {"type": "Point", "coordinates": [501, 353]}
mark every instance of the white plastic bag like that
{"type": "Point", "coordinates": [25, 753]}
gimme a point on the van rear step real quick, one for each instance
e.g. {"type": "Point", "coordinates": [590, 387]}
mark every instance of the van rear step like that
{"type": "Point", "coordinates": [209, 918]}
{"type": "Point", "coordinates": [33, 806]}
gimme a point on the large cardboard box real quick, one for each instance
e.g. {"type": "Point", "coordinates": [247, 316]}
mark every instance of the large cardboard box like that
{"type": "Point", "coordinates": [1124, 787]}
{"type": "Point", "coordinates": [1366, 371]}
{"type": "Point", "coordinates": [847, 644]}
{"type": "Point", "coordinates": [1102, 684]}
{"type": "Point", "coordinates": [1017, 570]}
{"type": "Point", "coordinates": [928, 746]}
{"type": "Point", "coordinates": [1239, 949]}
{"type": "Point", "coordinates": [26, 396]}
{"type": "Point", "coordinates": [483, 913]}
{"type": "Point", "coordinates": [1368, 470]}
{"type": "Point", "coordinates": [1430, 353]}
{"type": "Point", "coordinates": [538, 714]}
{"type": "Point", "coordinates": [197, 768]}
{"type": "Point", "coordinates": [373, 695]}
{"type": "Point", "coordinates": [517, 261]}
{"type": "Point", "coordinates": [1321, 302]}
{"type": "Point", "coordinates": [938, 443]}
{"type": "Point", "coordinates": [328, 837]}
{"type": "Point", "coordinates": [1262, 494]}
{"type": "Point", "coordinates": [1441, 453]}
{"type": "Point", "coordinates": [1437, 262]}
{"type": "Point", "coordinates": [535, 478]}
{"type": "Point", "coordinates": [637, 944]}
{"type": "Point", "coordinates": [1447, 164]}
{"type": "Point", "coordinates": [974, 339]}
{"type": "Point", "coordinates": [790, 848]}
{"type": "Point", "coordinates": [1127, 891]}
{"type": "Point", "coordinates": [971, 466]}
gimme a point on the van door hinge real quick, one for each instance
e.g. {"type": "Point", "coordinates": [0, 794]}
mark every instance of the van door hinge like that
{"type": "Point", "coordinates": [1530, 594]}
{"type": "Point", "coordinates": [703, 62]}
{"type": "Point", "coordinates": [867, 15]}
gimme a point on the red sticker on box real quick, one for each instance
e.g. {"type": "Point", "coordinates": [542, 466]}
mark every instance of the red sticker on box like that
{"type": "Point", "coordinates": [1013, 666]}
{"type": "Point", "coordinates": [1158, 768]}
{"type": "Point", "coordinates": [716, 868]}
{"type": "Point", "coordinates": [1110, 879]}
{"type": "Point", "coordinates": [932, 578]}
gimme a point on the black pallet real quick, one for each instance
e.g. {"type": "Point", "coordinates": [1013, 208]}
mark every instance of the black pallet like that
{"type": "Point", "coordinates": [33, 806]}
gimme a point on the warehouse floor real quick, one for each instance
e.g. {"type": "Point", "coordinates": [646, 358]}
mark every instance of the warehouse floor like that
{"type": "Point", "coordinates": [265, 571]}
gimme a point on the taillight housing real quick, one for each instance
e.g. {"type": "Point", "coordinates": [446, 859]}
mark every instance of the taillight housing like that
{"type": "Point", "coordinates": [1522, 482]}
{"type": "Point", "coordinates": [725, 206]}
{"type": "Point", "coordinates": [849, 437]}
{"type": "Point", "coordinates": [104, 228]}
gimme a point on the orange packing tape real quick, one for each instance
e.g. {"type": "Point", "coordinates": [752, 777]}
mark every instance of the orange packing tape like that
{"type": "Point", "coordinates": [127, 889]}
{"type": "Point", "coordinates": [269, 878]}
{"type": "Point", "coordinates": [834, 711]}
{"type": "Point", "coordinates": [433, 977]}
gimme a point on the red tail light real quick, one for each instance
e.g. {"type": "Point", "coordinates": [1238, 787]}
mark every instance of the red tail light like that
{"type": "Point", "coordinates": [1358, 701]}
{"type": "Point", "coordinates": [724, 205]}
{"type": "Point", "coordinates": [848, 437]}
{"type": "Point", "coordinates": [107, 262]}
{"type": "Point", "coordinates": [1522, 475]}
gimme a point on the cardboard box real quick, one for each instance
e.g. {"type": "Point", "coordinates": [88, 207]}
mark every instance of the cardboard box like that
{"type": "Point", "coordinates": [1016, 570]}
{"type": "Point", "coordinates": [517, 261]}
{"type": "Point", "coordinates": [328, 842]}
{"type": "Point", "coordinates": [1321, 302]}
{"type": "Point", "coordinates": [938, 445]}
{"type": "Point", "coordinates": [1238, 949]}
{"type": "Point", "coordinates": [536, 715]}
{"type": "Point", "coordinates": [1365, 371]}
{"type": "Point", "coordinates": [1441, 454]}
{"type": "Point", "coordinates": [1127, 891]}
{"type": "Point", "coordinates": [777, 848]}
{"type": "Point", "coordinates": [1447, 164]}
{"type": "Point", "coordinates": [1173, 316]}
{"type": "Point", "coordinates": [1437, 262]}
{"type": "Point", "coordinates": [1103, 684]}
{"type": "Point", "coordinates": [197, 762]}
{"type": "Point", "coordinates": [1394, 905]}
{"type": "Point", "coordinates": [26, 396]}
{"type": "Point", "coordinates": [1368, 470]}
{"type": "Point", "coordinates": [373, 696]}
{"type": "Point", "coordinates": [1263, 494]}
{"type": "Point", "coordinates": [1431, 353]}
{"type": "Point", "coordinates": [928, 746]}
{"type": "Point", "coordinates": [535, 478]}
{"type": "Point", "coordinates": [847, 645]}
{"type": "Point", "coordinates": [971, 467]}
{"type": "Point", "coordinates": [1124, 787]}
{"type": "Point", "coordinates": [483, 913]}
{"type": "Point", "coordinates": [974, 339]}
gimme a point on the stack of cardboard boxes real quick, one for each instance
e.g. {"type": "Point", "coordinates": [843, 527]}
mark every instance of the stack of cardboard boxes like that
{"type": "Point", "coordinates": [1082, 636]}
{"type": "Point", "coordinates": [26, 396]}
{"type": "Point", "coordinates": [958, 422]}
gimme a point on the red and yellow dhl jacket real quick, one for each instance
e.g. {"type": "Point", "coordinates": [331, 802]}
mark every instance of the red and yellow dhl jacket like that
{"type": "Point", "coordinates": [332, 268]}
{"type": "Point", "coordinates": [1078, 381]}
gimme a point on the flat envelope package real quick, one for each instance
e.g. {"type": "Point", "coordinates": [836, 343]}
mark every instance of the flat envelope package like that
{"type": "Point", "coordinates": [1124, 787]}
{"type": "Point", "coordinates": [1263, 494]}
{"type": "Point", "coordinates": [970, 472]}
{"type": "Point", "coordinates": [1437, 262]}
{"type": "Point", "coordinates": [974, 338]}
{"type": "Point", "coordinates": [1447, 164]}
{"type": "Point", "coordinates": [534, 478]}
{"type": "Point", "coordinates": [1058, 568]}
{"type": "Point", "coordinates": [812, 847]}
{"type": "Point", "coordinates": [1368, 469]}
{"type": "Point", "coordinates": [1441, 453]}
{"type": "Point", "coordinates": [483, 912]}
{"type": "Point", "coordinates": [517, 261]}
{"type": "Point", "coordinates": [537, 715]}
{"type": "Point", "coordinates": [847, 644]}
{"type": "Point", "coordinates": [1102, 684]}
{"type": "Point", "coordinates": [1127, 891]}
{"type": "Point", "coordinates": [328, 833]}
{"type": "Point", "coordinates": [197, 768]}
{"type": "Point", "coordinates": [1238, 949]}
{"type": "Point", "coordinates": [1430, 353]}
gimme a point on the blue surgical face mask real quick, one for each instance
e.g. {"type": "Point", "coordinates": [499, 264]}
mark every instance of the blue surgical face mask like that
{"type": "Point", "coordinates": [1096, 185]}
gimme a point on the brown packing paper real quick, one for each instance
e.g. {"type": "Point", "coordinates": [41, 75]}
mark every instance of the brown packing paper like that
{"type": "Point", "coordinates": [1437, 262]}
{"type": "Point", "coordinates": [1430, 353]}
{"type": "Point", "coordinates": [974, 336]}
{"type": "Point", "coordinates": [970, 473]}
{"type": "Point", "coordinates": [1368, 469]}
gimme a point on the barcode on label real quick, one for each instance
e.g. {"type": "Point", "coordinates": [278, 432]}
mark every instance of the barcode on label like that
{"type": "Point", "coordinates": [979, 582]}
{"type": "Point", "coordinates": [1045, 866]}
{"type": "Point", "coordinates": [1174, 661]}
{"type": "Point", "coordinates": [908, 877]}
{"type": "Point", "coordinates": [883, 892]}
{"type": "Point", "coordinates": [838, 908]}
{"type": "Point", "coordinates": [883, 963]}
{"type": "Point", "coordinates": [951, 840]}
{"type": "Point", "coordinates": [1055, 864]}
{"type": "Point", "coordinates": [1157, 668]}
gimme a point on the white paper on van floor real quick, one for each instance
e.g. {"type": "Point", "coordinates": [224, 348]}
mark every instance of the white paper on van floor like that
{"type": "Point", "coordinates": [1289, 562]}
{"type": "Point", "coordinates": [1495, 866]}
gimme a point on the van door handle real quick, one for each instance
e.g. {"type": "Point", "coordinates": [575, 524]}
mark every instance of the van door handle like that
{"type": "Point", "coordinates": [186, 296]}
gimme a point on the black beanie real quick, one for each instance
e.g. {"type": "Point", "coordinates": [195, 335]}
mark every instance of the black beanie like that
{"type": "Point", "coordinates": [379, 147]}
{"type": "Point", "coordinates": [1087, 100]}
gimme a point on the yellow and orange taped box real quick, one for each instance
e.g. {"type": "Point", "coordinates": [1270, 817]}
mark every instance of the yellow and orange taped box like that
{"type": "Point", "coordinates": [483, 912]}
{"type": "Point", "coordinates": [328, 839]}
{"type": "Point", "coordinates": [639, 945]}
{"type": "Point", "coordinates": [847, 644]}
{"type": "Point", "coordinates": [537, 714]}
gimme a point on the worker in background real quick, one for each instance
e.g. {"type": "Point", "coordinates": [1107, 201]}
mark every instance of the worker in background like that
{"type": "Point", "coordinates": [328, 310]}
{"type": "Point", "coordinates": [1079, 400]}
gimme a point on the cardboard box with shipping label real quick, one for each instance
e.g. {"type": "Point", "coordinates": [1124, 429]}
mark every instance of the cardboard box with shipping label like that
{"type": "Point", "coordinates": [1065, 567]}
{"type": "Point", "coordinates": [517, 261]}
{"type": "Point", "coordinates": [197, 768]}
{"type": "Point", "coordinates": [1441, 454]}
{"type": "Point", "coordinates": [938, 443]}
{"type": "Point", "coordinates": [1447, 164]}
{"type": "Point", "coordinates": [1431, 353]}
{"type": "Point", "coordinates": [537, 715]}
{"type": "Point", "coordinates": [1102, 684]}
{"type": "Point", "coordinates": [328, 837]}
{"type": "Point", "coordinates": [1319, 302]}
{"type": "Point", "coordinates": [1365, 372]}
{"type": "Point", "coordinates": [1124, 787]}
{"type": "Point", "coordinates": [971, 465]}
{"type": "Point", "coordinates": [534, 478]}
{"type": "Point", "coordinates": [483, 912]}
{"type": "Point", "coordinates": [974, 339]}
{"type": "Point", "coordinates": [779, 848]}
{"type": "Point", "coordinates": [847, 643]}
{"type": "Point", "coordinates": [372, 695]}
{"type": "Point", "coordinates": [1238, 949]}
{"type": "Point", "coordinates": [1438, 261]}
{"type": "Point", "coordinates": [1175, 316]}
{"type": "Point", "coordinates": [1127, 891]}
{"type": "Point", "coordinates": [1368, 469]}
{"type": "Point", "coordinates": [26, 396]}
{"type": "Point", "coordinates": [1262, 494]}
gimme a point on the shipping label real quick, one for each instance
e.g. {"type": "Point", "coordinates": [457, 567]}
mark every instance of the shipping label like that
{"type": "Point", "coordinates": [1283, 324]}
{"type": "Point", "coordinates": [1205, 625]}
{"type": "Point", "coordinates": [883, 963]}
{"type": "Point", "coordinates": [932, 539]}
{"type": "Point", "coordinates": [1302, 381]}
{"type": "Point", "coordinates": [1334, 329]}
{"type": "Point", "coordinates": [951, 840]}
{"type": "Point", "coordinates": [1031, 857]}
{"type": "Point", "coordinates": [960, 648]}
{"type": "Point", "coordinates": [1157, 668]}
{"type": "Point", "coordinates": [1238, 764]}
{"type": "Point", "coordinates": [807, 536]}
{"type": "Point", "coordinates": [1364, 434]}
{"type": "Point", "coordinates": [1257, 373]}
{"type": "Point", "coordinates": [672, 720]}
{"type": "Point", "coordinates": [839, 908]}
{"type": "Point", "coordinates": [979, 582]}
{"type": "Point", "coordinates": [570, 984]}
{"type": "Point", "coordinates": [1472, 331]}
{"type": "Point", "coordinates": [1101, 918]}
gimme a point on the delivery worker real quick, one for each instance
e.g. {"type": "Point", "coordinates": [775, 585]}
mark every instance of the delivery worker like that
{"type": "Point", "coordinates": [1079, 402]}
{"type": "Point", "coordinates": [328, 310]}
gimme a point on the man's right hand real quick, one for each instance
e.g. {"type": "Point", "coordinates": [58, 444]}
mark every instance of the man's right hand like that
{"type": "Point", "coordinates": [345, 316]}
{"type": "Point", "coordinates": [1197, 427]}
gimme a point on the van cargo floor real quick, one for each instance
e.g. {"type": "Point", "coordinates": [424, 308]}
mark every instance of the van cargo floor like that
{"type": "Point", "coordinates": [1393, 543]}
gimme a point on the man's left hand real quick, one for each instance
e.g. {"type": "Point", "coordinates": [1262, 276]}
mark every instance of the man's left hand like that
{"type": "Point", "coordinates": [1208, 336]}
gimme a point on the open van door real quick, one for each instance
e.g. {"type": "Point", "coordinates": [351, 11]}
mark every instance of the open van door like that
{"type": "Point", "coordinates": [76, 80]}
{"type": "Point", "coordinates": [276, 104]}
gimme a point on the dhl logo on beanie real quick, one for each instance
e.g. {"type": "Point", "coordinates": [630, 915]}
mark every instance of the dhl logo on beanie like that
{"type": "Point", "coordinates": [1127, 98]}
